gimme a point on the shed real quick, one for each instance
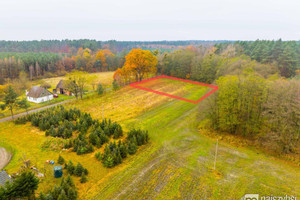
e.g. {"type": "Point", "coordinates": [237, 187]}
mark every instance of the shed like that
{"type": "Point", "coordinates": [4, 177]}
{"type": "Point", "coordinates": [61, 88]}
{"type": "Point", "coordinates": [58, 171]}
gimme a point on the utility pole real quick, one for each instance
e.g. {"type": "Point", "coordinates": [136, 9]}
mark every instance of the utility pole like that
{"type": "Point", "coordinates": [216, 154]}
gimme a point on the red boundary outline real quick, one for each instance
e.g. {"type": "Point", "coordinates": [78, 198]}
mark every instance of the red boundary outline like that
{"type": "Point", "coordinates": [136, 85]}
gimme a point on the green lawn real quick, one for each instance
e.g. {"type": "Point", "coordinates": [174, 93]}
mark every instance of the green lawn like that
{"type": "Point", "coordinates": [188, 90]}
{"type": "Point", "coordinates": [176, 164]}
{"type": "Point", "coordinates": [179, 164]}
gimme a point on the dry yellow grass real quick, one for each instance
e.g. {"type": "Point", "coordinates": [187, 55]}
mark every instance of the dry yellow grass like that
{"type": "Point", "coordinates": [128, 102]}
{"type": "Point", "coordinates": [105, 78]}
{"type": "Point", "coordinates": [120, 105]}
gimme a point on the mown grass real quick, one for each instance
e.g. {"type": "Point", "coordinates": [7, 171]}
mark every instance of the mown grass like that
{"type": "Point", "coordinates": [105, 78]}
{"type": "Point", "coordinates": [177, 163]}
{"type": "Point", "coordinates": [191, 91]}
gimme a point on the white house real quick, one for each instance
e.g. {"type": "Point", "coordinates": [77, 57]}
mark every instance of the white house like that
{"type": "Point", "coordinates": [38, 94]}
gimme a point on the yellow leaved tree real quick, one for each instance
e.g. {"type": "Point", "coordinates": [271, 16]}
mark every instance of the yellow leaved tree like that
{"type": "Point", "coordinates": [138, 63]}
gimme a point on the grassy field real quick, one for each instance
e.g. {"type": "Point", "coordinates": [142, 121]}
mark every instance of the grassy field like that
{"type": "Point", "coordinates": [176, 164]}
{"type": "Point", "coordinates": [105, 78]}
{"type": "Point", "coordinates": [192, 91]}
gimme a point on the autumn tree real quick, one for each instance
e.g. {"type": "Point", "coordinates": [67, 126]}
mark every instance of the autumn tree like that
{"type": "Point", "coordinates": [22, 83]}
{"type": "Point", "coordinates": [282, 110]}
{"type": "Point", "coordinates": [100, 61]}
{"type": "Point", "coordinates": [239, 104]}
{"type": "Point", "coordinates": [93, 81]}
{"type": "Point", "coordinates": [140, 62]}
{"type": "Point", "coordinates": [76, 82]}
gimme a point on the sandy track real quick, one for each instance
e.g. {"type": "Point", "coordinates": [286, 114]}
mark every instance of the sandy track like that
{"type": "Point", "coordinates": [4, 157]}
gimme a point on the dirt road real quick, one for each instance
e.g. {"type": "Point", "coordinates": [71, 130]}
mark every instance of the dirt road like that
{"type": "Point", "coordinates": [42, 108]}
{"type": "Point", "coordinates": [35, 110]}
{"type": "Point", "coordinates": [4, 157]}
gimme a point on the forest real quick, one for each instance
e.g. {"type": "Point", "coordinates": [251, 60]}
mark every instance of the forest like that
{"type": "Point", "coordinates": [43, 65]}
{"type": "Point", "coordinates": [284, 54]}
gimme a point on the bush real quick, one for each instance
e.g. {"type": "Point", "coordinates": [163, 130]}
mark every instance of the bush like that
{"type": "Point", "coordinates": [115, 85]}
{"type": "Point", "coordinates": [132, 148]}
{"type": "Point", "coordinates": [60, 160]}
{"type": "Point", "coordinates": [83, 178]}
{"type": "Point", "coordinates": [100, 89]}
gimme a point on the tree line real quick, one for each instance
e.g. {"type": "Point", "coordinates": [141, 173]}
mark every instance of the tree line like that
{"type": "Point", "coordinates": [69, 46]}
{"type": "Point", "coordinates": [43, 65]}
{"type": "Point", "coordinates": [203, 64]}
{"type": "Point", "coordinates": [283, 54]}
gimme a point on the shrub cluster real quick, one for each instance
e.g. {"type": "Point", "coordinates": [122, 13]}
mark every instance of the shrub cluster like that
{"type": "Point", "coordinates": [66, 190]}
{"type": "Point", "coordinates": [56, 121]}
{"type": "Point", "coordinates": [114, 153]}
{"type": "Point", "coordinates": [59, 122]}
{"type": "Point", "coordinates": [77, 170]}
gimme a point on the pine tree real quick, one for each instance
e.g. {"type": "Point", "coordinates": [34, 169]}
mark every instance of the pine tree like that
{"type": "Point", "coordinates": [123, 151]}
{"type": "Point", "coordinates": [100, 89]}
{"type": "Point", "coordinates": [27, 179]}
{"type": "Point", "coordinates": [10, 100]}
{"type": "Point", "coordinates": [115, 85]}
{"type": "Point", "coordinates": [106, 131]}
{"type": "Point", "coordinates": [108, 162]}
{"type": "Point", "coordinates": [69, 181]}
{"type": "Point", "coordinates": [62, 196]}
{"type": "Point", "coordinates": [42, 196]}
{"type": "Point", "coordinates": [60, 160]}
{"type": "Point", "coordinates": [83, 178]}
{"type": "Point", "coordinates": [78, 170]}
{"type": "Point", "coordinates": [24, 104]}
{"type": "Point", "coordinates": [72, 194]}
{"type": "Point", "coordinates": [70, 168]}
{"type": "Point", "coordinates": [93, 138]}
{"type": "Point", "coordinates": [132, 148]}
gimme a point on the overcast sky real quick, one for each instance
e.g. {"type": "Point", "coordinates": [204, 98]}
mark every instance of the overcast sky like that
{"type": "Point", "coordinates": [149, 20]}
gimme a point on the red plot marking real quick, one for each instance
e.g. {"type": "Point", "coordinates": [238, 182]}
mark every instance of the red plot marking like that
{"type": "Point", "coordinates": [214, 88]}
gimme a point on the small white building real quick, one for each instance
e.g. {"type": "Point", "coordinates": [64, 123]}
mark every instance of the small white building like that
{"type": "Point", "coordinates": [38, 94]}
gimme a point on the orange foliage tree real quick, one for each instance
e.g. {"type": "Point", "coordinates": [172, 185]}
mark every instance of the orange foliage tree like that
{"type": "Point", "coordinates": [138, 63]}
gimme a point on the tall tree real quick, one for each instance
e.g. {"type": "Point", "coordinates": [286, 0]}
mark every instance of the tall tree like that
{"type": "Point", "coordinates": [140, 62]}
{"type": "Point", "coordinates": [24, 104]}
{"type": "Point", "coordinates": [76, 82]}
{"type": "Point", "coordinates": [10, 100]}
{"type": "Point", "coordinates": [24, 185]}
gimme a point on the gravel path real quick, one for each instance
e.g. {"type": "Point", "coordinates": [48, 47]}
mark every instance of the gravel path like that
{"type": "Point", "coordinates": [35, 110]}
{"type": "Point", "coordinates": [4, 157]}
{"type": "Point", "coordinates": [42, 108]}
